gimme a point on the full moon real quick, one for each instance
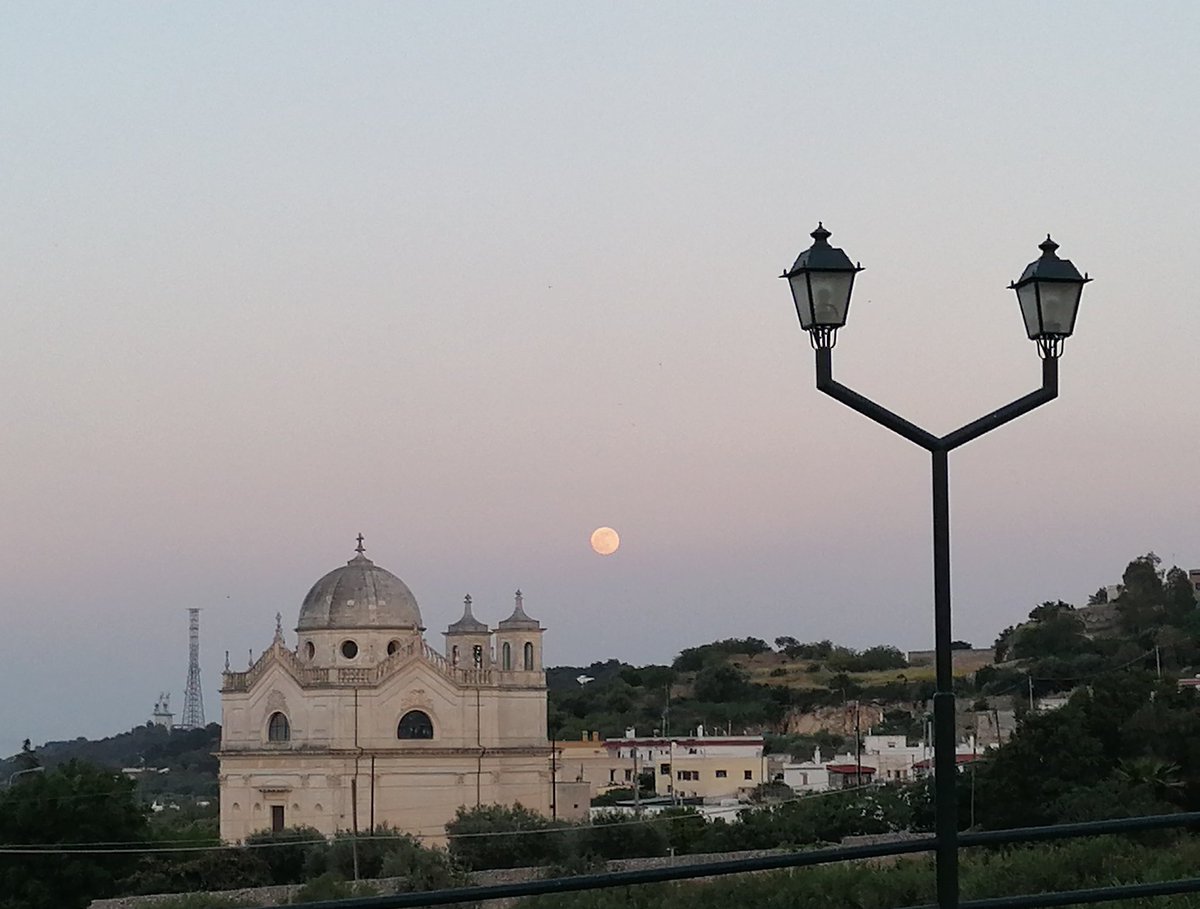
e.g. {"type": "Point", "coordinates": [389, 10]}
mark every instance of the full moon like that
{"type": "Point", "coordinates": [605, 540]}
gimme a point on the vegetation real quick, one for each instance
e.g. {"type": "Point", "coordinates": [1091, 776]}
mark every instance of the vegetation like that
{"type": "Point", "coordinates": [1030, 869]}
{"type": "Point", "coordinates": [52, 810]}
{"type": "Point", "coordinates": [185, 757]}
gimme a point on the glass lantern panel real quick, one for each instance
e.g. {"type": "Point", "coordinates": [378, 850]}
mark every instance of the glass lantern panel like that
{"type": "Point", "coordinates": [1027, 297]}
{"type": "Point", "coordinates": [1059, 300]}
{"type": "Point", "coordinates": [799, 285]}
{"type": "Point", "coordinates": [830, 297]}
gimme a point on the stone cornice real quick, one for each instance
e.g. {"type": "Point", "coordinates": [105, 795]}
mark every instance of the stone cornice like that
{"type": "Point", "coordinates": [313, 751]}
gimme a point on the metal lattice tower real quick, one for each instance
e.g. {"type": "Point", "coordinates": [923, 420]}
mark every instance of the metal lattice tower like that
{"type": "Point", "coordinates": [193, 695]}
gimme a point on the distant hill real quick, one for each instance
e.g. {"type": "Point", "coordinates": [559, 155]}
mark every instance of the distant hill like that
{"type": "Point", "coordinates": [188, 757]}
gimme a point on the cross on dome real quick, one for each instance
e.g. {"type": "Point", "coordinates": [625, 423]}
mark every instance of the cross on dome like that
{"type": "Point", "coordinates": [360, 549]}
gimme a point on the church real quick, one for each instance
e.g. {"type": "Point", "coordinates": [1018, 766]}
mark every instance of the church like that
{"type": "Point", "coordinates": [364, 723]}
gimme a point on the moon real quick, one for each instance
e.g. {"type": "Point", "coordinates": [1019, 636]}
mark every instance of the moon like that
{"type": "Point", "coordinates": [605, 540]}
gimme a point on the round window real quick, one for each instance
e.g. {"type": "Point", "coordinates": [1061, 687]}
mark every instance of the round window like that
{"type": "Point", "coordinates": [349, 649]}
{"type": "Point", "coordinates": [310, 650]}
{"type": "Point", "coordinates": [393, 646]}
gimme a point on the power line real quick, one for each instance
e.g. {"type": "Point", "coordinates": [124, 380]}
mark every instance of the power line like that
{"type": "Point", "coordinates": [133, 847]}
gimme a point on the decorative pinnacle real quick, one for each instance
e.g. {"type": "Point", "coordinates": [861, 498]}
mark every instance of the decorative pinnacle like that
{"type": "Point", "coordinates": [279, 626]}
{"type": "Point", "coordinates": [360, 549]}
{"type": "Point", "coordinates": [226, 660]}
{"type": "Point", "coordinates": [1048, 247]}
{"type": "Point", "coordinates": [821, 235]}
{"type": "Point", "coordinates": [467, 601]}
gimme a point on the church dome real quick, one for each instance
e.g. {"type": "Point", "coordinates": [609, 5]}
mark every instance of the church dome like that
{"type": "Point", "coordinates": [359, 595]}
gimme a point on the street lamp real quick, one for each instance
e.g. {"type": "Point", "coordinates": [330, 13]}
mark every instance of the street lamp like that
{"type": "Point", "coordinates": [1048, 292]}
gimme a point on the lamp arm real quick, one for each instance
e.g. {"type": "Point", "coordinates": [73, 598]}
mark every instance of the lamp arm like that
{"type": "Point", "coordinates": [973, 430]}
{"type": "Point", "coordinates": [867, 407]}
{"type": "Point", "coordinates": [927, 440]}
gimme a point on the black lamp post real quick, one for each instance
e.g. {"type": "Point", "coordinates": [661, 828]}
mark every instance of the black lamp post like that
{"type": "Point", "coordinates": [1048, 292]}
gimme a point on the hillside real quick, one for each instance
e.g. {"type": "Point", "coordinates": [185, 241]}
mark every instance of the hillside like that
{"type": "Point", "coordinates": [188, 758]}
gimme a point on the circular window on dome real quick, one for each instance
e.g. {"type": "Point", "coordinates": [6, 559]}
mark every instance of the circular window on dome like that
{"type": "Point", "coordinates": [310, 650]}
{"type": "Point", "coordinates": [393, 647]}
{"type": "Point", "coordinates": [349, 649]}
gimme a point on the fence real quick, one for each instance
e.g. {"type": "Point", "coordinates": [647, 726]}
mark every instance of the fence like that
{"type": "Point", "coordinates": [825, 856]}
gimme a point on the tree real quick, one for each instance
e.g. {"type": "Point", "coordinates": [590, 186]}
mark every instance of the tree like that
{"type": "Point", "coordinates": [1140, 604]}
{"type": "Point", "coordinates": [721, 684]}
{"type": "Point", "coordinates": [1053, 630]}
{"type": "Point", "coordinates": [27, 759]}
{"type": "Point", "coordinates": [527, 838]}
{"type": "Point", "coordinates": [611, 836]}
{"type": "Point", "coordinates": [1003, 643]}
{"type": "Point", "coordinates": [1161, 778]}
{"type": "Point", "coordinates": [287, 851]}
{"type": "Point", "coordinates": [74, 803]}
{"type": "Point", "coordinates": [1179, 600]}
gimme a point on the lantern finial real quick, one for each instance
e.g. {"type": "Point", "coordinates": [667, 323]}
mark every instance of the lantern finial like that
{"type": "Point", "coordinates": [821, 235]}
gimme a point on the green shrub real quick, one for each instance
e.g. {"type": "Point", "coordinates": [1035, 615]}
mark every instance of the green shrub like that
{"type": "Point", "coordinates": [200, 901]}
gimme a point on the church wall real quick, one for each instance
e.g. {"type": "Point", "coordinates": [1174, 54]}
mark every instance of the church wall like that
{"type": "Point", "coordinates": [417, 793]}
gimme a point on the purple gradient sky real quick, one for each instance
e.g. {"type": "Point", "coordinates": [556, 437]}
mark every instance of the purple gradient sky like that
{"type": "Point", "coordinates": [474, 279]}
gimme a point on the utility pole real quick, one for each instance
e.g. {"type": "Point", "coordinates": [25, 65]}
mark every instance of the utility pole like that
{"type": "Point", "coordinates": [553, 778]}
{"type": "Point", "coordinates": [354, 789]}
{"type": "Point", "coordinates": [857, 746]}
{"type": "Point", "coordinates": [974, 761]}
{"type": "Point", "coordinates": [637, 788]}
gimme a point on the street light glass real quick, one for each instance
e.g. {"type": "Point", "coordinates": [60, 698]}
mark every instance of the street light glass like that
{"type": "Point", "coordinates": [822, 279]}
{"type": "Point", "coordinates": [1048, 292]}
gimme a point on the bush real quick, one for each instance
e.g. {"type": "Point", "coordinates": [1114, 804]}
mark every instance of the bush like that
{"type": "Point", "coordinates": [330, 886]}
{"type": "Point", "coordinates": [530, 838]}
{"type": "Point", "coordinates": [286, 852]}
{"type": "Point", "coordinates": [200, 901]}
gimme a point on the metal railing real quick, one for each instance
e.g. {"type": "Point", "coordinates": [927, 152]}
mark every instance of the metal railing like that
{"type": "Point", "coordinates": [815, 857]}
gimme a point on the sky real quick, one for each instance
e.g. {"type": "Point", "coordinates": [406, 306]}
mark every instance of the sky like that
{"type": "Point", "coordinates": [474, 279]}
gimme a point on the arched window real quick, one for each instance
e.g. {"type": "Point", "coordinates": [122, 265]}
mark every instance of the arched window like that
{"type": "Point", "coordinates": [506, 656]}
{"type": "Point", "coordinates": [415, 725]}
{"type": "Point", "coordinates": [528, 655]}
{"type": "Point", "coordinates": [454, 655]}
{"type": "Point", "coordinates": [477, 655]}
{"type": "Point", "coordinates": [278, 728]}
{"type": "Point", "coordinates": [393, 647]}
{"type": "Point", "coordinates": [310, 650]}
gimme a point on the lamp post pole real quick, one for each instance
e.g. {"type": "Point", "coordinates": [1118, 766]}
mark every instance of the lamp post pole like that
{"type": "Point", "coordinates": [1048, 292]}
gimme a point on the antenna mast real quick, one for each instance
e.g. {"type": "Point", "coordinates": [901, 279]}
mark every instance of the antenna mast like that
{"type": "Point", "coordinates": [193, 695]}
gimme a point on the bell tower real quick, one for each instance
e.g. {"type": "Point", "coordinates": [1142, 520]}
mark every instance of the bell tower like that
{"type": "Point", "coordinates": [468, 641]}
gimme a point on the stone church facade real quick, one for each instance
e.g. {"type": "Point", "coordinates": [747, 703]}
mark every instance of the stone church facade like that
{"type": "Point", "coordinates": [364, 723]}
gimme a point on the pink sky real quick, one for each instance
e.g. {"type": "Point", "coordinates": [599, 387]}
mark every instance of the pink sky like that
{"type": "Point", "coordinates": [476, 280]}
